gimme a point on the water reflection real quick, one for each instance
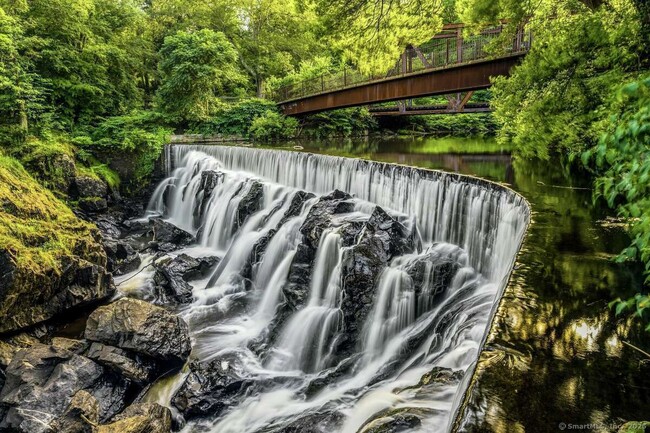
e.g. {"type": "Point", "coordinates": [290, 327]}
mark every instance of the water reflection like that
{"type": "Point", "coordinates": [555, 353]}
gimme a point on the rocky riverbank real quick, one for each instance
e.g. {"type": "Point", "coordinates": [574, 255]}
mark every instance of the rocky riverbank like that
{"type": "Point", "coordinates": [72, 358]}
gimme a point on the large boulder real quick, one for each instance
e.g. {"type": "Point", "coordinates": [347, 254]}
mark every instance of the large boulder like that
{"type": "Point", "coordinates": [87, 186]}
{"type": "Point", "coordinates": [168, 235]}
{"type": "Point", "coordinates": [140, 418]}
{"type": "Point", "coordinates": [43, 380]}
{"type": "Point", "coordinates": [81, 416]}
{"type": "Point", "coordinates": [140, 327]}
{"type": "Point", "coordinates": [250, 203]}
{"type": "Point", "coordinates": [172, 275]}
{"type": "Point", "coordinates": [134, 367]}
{"type": "Point", "coordinates": [209, 388]}
{"type": "Point", "coordinates": [381, 239]}
{"type": "Point", "coordinates": [27, 299]}
{"type": "Point", "coordinates": [50, 260]}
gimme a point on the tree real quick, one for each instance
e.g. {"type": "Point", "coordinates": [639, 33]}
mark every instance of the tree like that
{"type": "Point", "coordinates": [273, 37]}
{"type": "Point", "coordinates": [195, 67]}
{"type": "Point", "coordinates": [17, 87]}
{"type": "Point", "coordinates": [556, 100]}
{"type": "Point", "coordinates": [373, 33]}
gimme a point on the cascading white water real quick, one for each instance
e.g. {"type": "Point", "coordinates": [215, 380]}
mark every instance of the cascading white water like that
{"type": "Point", "coordinates": [285, 311]}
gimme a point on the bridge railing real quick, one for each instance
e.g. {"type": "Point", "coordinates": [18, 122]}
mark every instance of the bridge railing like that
{"type": "Point", "coordinates": [445, 49]}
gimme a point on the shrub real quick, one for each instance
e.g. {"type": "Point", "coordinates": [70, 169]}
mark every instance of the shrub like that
{"type": "Point", "coordinates": [234, 119]}
{"type": "Point", "coordinates": [622, 159]}
{"type": "Point", "coordinates": [273, 126]}
{"type": "Point", "coordinates": [339, 123]}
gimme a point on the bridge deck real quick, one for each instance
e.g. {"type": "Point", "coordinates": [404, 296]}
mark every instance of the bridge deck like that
{"type": "Point", "coordinates": [429, 82]}
{"type": "Point", "coordinates": [449, 63]}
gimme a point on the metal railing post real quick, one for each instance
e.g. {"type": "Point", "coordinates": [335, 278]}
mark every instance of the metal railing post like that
{"type": "Point", "coordinates": [459, 45]}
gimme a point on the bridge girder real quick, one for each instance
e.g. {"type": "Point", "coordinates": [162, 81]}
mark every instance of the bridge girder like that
{"type": "Point", "coordinates": [464, 77]}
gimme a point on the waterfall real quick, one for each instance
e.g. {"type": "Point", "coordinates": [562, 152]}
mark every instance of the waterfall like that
{"type": "Point", "coordinates": [341, 284]}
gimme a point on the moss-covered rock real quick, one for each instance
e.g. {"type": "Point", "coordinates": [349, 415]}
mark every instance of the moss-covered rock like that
{"type": "Point", "coordinates": [50, 260]}
{"type": "Point", "coordinates": [140, 418]}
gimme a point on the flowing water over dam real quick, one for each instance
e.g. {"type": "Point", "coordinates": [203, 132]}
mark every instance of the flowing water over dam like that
{"type": "Point", "coordinates": [348, 294]}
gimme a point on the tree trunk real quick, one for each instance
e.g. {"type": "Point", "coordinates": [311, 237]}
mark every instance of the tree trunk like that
{"type": "Point", "coordinates": [23, 117]}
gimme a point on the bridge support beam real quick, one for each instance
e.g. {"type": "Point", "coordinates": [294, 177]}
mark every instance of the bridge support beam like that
{"type": "Point", "coordinates": [458, 78]}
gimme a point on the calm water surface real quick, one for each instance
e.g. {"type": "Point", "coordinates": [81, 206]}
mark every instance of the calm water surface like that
{"type": "Point", "coordinates": [555, 353]}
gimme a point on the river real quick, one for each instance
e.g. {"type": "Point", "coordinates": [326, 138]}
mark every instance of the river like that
{"type": "Point", "coordinates": [555, 353]}
{"type": "Point", "coordinates": [554, 357]}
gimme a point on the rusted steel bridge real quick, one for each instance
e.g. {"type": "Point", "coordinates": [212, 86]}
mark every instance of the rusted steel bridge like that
{"type": "Point", "coordinates": [449, 64]}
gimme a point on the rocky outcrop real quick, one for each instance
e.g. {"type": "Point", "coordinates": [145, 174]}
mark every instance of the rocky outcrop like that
{"type": "Point", "coordinates": [142, 328]}
{"type": "Point", "coordinates": [43, 380]}
{"type": "Point", "coordinates": [381, 239]}
{"type": "Point", "coordinates": [209, 388]}
{"type": "Point", "coordinates": [319, 218]}
{"type": "Point", "coordinates": [50, 260]}
{"type": "Point", "coordinates": [172, 276]}
{"type": "Point", "coordinates": [140, 418]}
{"type": "Point", "coordinates": [27, 298]}
{"type": "Point", "coordinates": [168, 237]}
{"type": "Point", "coordinates": [250, 203]}
{"type": "Point", "coordinates": [87, 186]}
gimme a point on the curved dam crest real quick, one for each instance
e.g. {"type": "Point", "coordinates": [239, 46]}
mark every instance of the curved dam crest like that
{"type": "Point", "coordinates": [349, 295]}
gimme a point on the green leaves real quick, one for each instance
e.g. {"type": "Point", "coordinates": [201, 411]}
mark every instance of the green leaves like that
{"type": "Point", "coordinates": [195, 68]}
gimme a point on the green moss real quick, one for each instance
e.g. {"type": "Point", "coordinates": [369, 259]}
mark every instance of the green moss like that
{"type": "Point", "coordinates": [37, 230]}
{"type": "Point", "coordinates": [101, 172]}
{"type": "Point", "coordinates": [51, 161]}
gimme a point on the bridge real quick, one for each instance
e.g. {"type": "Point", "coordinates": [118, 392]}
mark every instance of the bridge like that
{"type": "Point", "coordinates": [449, 64]}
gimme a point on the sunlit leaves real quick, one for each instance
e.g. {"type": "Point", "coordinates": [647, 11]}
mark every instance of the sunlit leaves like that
{"type": "Point", "coordinates": [557, 99]}
{"type": "Point", "coordinates": [195, 67]}
{"type": "Point", "coordinates": [373, 33]}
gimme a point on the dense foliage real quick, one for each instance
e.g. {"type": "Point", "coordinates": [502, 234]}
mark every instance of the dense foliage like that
{"type": "Point", "coordinates": [557, 99]}
{"type": "Point", "coordinates": [194, 68]}
{"type": "Point", "coordinates": [623, 156]}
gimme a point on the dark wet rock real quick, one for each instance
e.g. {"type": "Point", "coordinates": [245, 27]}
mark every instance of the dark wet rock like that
{"type": "Point", "coordinates": [397, 240]}
{"type": "Point", "coordinates": [141, 327]}
{"type": "Point", "coordinates": [43, 380]}
{"type": "Point", "coordinates": [329, 376]}
{"type": "Point", "coordinates": [109, 226]}
{"type": "Point", "coordinates": [172, 276]}
{"type": "Point", "coordinates": [315, 423]}
{"type": "Point", "coordinates": [321, 213]}
{"type": "Point", "coordinates": [81, 415]}
{"type": "Point", "coordinates": [27, 299]}
{"type": "Point", "coordinates": [381, 239]}
{"type": "Point", "coordinates": [140, 418]}
{"type": "Point", "coordinates": [433, 272]}
{"type": "Point", "coordinates": [122, 257]}
{"type": "Point", "coordinates": [93, 204]}
{"type": "Point", "coordinates": [129, 365]}
{"type": "Point", "coordinates": [86, 186]}
{"type": "Point", "coordinates": [318, 219]}
{"type": "Point", "coordinates": [187, 267]}
{"type": "Point", "coordinates": [113, 392]}
{"type": "Point", "coordinates": [392, 423]}
{"type": "Point", "coordinates": [167, 233]}
{"type": "Point", "coordinates": [209, 181]}
{"type": "Point", "coordinates": [209, 388]}
{"type": "Point", "coordinates": [250, 203]}
{"type": "Point", "coordinates": [295, 207]}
